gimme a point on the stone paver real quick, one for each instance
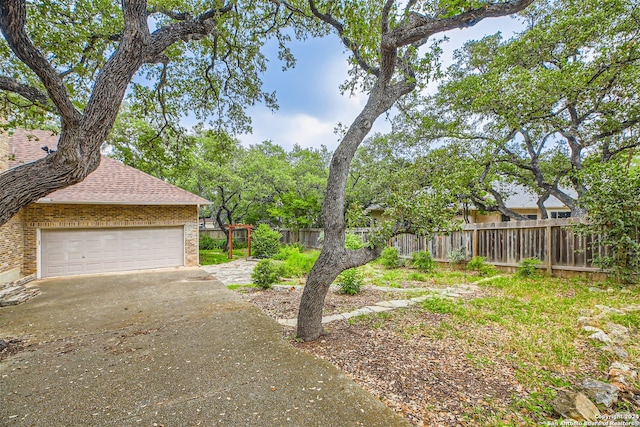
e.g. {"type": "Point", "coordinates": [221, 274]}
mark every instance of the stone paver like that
{"type": "Point", "coordinates": [239, 272]}
{"type": "Point", "coordinates": [236, 272]}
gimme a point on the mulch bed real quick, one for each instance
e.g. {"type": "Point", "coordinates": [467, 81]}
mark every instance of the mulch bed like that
{"type": "Point", "coordinates": [431, 381]}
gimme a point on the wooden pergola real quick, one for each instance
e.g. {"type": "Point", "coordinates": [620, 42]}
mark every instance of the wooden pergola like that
{"type": "Point", "coordinates": [232, 227]}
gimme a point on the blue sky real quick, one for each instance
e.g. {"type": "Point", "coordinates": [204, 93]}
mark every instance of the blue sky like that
{"type": "Point", "coordinates": [310, 102]}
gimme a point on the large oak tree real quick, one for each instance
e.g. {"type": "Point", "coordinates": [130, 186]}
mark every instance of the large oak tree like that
{"type": "Point", "coordinates": [385, 41]}
{"type": "Point", "coordinates": [529, 110]}
{"type": "Point", "coordinates": [70, 64]}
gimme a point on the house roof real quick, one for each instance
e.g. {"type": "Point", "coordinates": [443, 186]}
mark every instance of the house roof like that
{"type": "Point", "coordinates": [519, 197]}
{"type": "Point", "coordinates": [111, 183]}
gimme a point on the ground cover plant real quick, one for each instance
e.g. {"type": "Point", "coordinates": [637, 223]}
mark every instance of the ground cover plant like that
{"type": "Point", "coordinates": [496, 355]}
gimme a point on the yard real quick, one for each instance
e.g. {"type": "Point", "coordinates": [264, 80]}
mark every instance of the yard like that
{"type": "Point", "coordinates": [496, 356]}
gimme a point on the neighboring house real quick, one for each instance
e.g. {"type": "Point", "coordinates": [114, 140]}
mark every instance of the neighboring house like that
{"type": "Point", "coordinates": [519, 200]}
{"type": "Point", "coordinates": [117, 219]}
{"type": "Point", "coordinates": [523, 202]}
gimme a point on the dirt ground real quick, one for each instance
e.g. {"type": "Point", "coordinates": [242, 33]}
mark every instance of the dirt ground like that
{"type": "Point", "coordinates": [429, 380]}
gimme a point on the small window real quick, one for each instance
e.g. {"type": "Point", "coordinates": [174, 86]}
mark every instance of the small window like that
{"type": "Point", "coordinates": [505, 218]}
{"type": "Point", "coordinates": [532, 216]}
{"type": "Point", "coordinates": [556, 215]}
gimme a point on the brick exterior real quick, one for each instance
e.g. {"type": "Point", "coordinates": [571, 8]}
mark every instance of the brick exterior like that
{"type": "Point", "coordinates": [11, 245]}
{"type": "Point", "coordinates": [4, 150]}
{"type": "Point", "coordinates": [50, 216]}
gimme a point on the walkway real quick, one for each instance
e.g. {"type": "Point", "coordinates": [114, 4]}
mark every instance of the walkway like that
{"type": "Point", "coordinates": [239, 272]}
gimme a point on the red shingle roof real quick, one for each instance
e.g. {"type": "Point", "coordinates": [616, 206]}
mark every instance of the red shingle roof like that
{"type": "Point", "coordinates": [111, 183]}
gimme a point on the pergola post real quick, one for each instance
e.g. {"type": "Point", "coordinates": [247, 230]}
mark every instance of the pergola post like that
{"type": "Point", "coordinates": [231, 227]}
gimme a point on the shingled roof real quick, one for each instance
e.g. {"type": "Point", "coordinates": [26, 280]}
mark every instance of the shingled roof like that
{"type": "Point", "coordinates": [111, 183]}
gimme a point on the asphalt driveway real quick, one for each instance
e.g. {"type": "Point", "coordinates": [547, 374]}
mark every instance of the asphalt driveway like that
{"type": "Point", "coordinates": [170, 348]}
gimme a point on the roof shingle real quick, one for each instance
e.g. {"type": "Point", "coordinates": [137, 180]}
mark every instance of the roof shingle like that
{"type": "Point", "coordinates": [111, 183]}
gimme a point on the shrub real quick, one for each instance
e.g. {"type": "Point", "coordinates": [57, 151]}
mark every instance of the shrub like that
{"type": "Point", "coordinates": [457, 256]}
{"type": "Point", "coordinates": [265, 242]}
{"type": "Point", "coordinates": [389, 257]}
{"type": "Point", "coordinates": [239, 244]}
{"type": "Point", "coordinates": [423, 261]}
{"type": "Point", "coordinates": [266, 273]}
{"type": "Point", "coordinates": [528, 267]}
{"type": "Point", "coordinates": [350, 281]}
{"type": "Point", "coordinates": [479, 265]}
{"type": "Point", "coordinates": [286, 252]}
{"type": "Point", "coordinates": [353, 241]}
{"type": "Point", "coordinates": [208, 243]}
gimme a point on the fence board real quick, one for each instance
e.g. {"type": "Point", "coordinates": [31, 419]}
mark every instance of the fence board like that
{"type": "Point", "coordinates": [504, 243]}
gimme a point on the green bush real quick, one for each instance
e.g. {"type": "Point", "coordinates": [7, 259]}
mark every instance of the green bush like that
{"type": "Point", "coordinates": [528, 267]}
{"type": "Point", "coordinates": [350, 281]}
{"type": "Point", "coordinates": [208, 243]}
{"type": "Point", "coordinates": [265, 242]}
{"type": "Point", "coordinates": [299, 264]}
{"type": "Point", "coordinates": [389, 257]}
{"type": "Point", "coordinates": [353, 241]}
{"type": "Point", "coordinates": [239, 244]}
{"type": "Point", "coordinates": [478, 264]}
{"type": "Point", "coordinates": [457, 256]}
{"type": "Point", "coordinates": [284, 252]}
{"type": "Point", "coordinates": [266, 273]}
{"type": "Point", "coordinates": [423, 261]}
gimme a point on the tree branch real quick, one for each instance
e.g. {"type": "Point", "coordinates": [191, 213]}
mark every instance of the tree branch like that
{"type": "Point", "coordinates": [13, 16]}
{"type": "Point", "coordinates": [28, 92]}
{"type": "Point", "coordinates": [406, 34]}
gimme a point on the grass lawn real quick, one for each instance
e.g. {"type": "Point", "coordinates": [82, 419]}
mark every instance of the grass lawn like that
{"type": "Point", "coordinates": [216, 256]}
{"type": "Point", "coordinates": [531, 325]}
{"type": "Point", "coordinates": [523, 334]}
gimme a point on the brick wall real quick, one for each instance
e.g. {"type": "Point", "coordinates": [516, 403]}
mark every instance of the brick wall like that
{"type": "Point", "coordinates": [11, 248]}
{"type": "Point", "coordinates": [4, 150]}
{"type": "Point", "coordinates": [48, 216]}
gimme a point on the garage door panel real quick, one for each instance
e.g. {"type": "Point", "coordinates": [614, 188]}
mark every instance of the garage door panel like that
{"type": "Point", "coordinates": [73, 252]}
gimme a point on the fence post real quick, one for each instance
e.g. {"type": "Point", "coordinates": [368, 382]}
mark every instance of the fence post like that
{"type": "Point", "coordinates": [475, 242]}
{"type": "Point", "coordinates": [548, 251]}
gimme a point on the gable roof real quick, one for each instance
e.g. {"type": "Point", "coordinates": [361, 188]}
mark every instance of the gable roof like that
{"type": "Point", "coordinates": [519, 197]}
{"type": "Point", "coordinates": [111, 183]}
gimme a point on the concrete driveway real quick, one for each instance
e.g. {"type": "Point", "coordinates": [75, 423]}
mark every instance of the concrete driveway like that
{"type": "Point", "coordinates": [171, 348]}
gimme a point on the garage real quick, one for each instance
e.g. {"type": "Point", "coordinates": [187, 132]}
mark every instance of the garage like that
{"type": "Point", "coordinates": [71, 252]}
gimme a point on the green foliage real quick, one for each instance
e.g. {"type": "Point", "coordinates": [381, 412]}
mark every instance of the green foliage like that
{"type": "Point", "coordinates": [350, 281]}
{"type": "Point", "coordinates": [478, 264]}
{"type": "Point", "coordinates": [443, 306]}
{"type": "Point", "coordinates": [208, 243]}
{"type": "Point", "coordinates": [265, 242]}
{"type": "Point", "coordinates": [296, 263]}
{"type": "Point", "coordinates": [423, 261]}
{"type": "Point", "coordinates": [575, 67]}
{"type": "Point", "coordinates": [211, 257]}
{"type": "Point", "coordinates": [353, 241]}
{"type": "Point", "coordinates": [613, 215]}
{"type": "Point", "coordinates": [528, 267]}
{"type": "Point", "coordinates": [389, 257]}
{"type": "Point", "coordinates": [266, 273]}
{"type": "Point", "coordinates": [457, 256]}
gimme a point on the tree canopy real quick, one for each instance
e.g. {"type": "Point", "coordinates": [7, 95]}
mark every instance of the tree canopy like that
{"type": "Point", "coordinates": [529, 110]}
{"type": "Point", "coordinates": [73, 73]}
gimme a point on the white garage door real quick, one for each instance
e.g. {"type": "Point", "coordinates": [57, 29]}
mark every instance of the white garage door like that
{"type": "Point", "coordinates": [74, 252]}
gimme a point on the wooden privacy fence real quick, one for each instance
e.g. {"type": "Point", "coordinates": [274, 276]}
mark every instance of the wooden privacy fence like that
{"type": "Point", "coordinates": [501, 243]}
{"type": "Point", "coordinates": [507, 243]}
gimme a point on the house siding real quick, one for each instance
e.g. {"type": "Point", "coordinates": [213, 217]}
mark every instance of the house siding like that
{"type": "Point", "coordinates": [52, 216]}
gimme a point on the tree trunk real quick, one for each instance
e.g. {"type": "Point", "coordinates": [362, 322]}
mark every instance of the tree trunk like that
{"type": "Point", "coordinates": [334, 258]}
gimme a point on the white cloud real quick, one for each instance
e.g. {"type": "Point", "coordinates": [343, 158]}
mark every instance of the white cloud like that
{"type": "Point", "coordinates": [287, 129]}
